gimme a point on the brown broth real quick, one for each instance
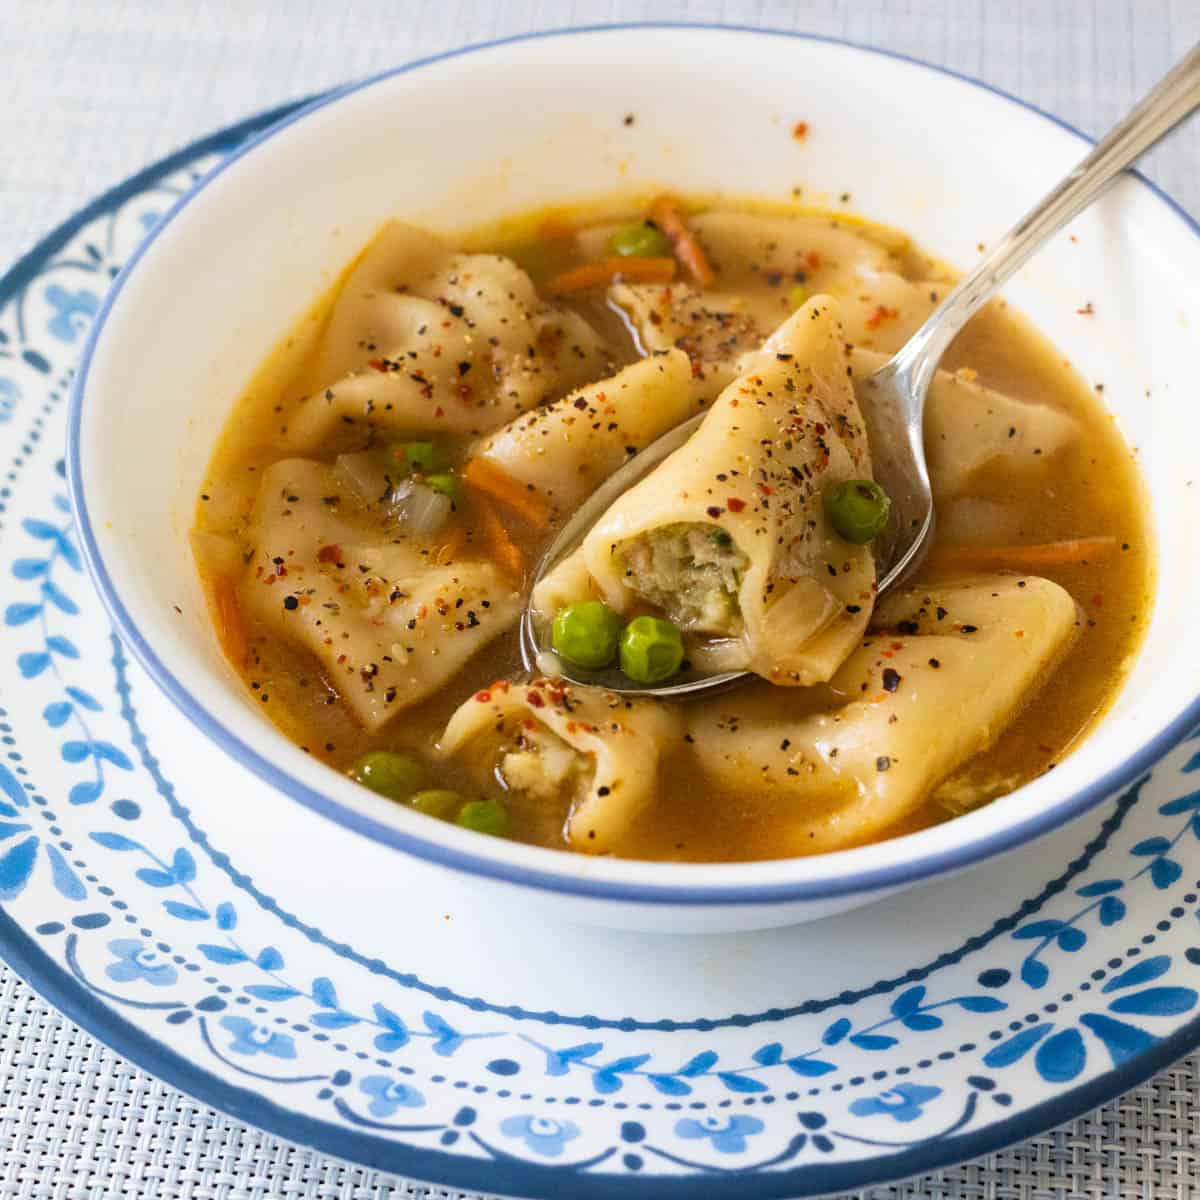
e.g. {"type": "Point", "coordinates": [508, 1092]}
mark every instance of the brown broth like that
{"type": "Point", "coordinates": [1092, 488]}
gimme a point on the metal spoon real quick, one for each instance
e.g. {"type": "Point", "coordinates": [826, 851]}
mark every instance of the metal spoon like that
{"type": "Point", "coordinates": [893, 398]}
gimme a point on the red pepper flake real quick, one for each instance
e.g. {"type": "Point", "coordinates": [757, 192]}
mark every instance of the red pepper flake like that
{"type": "Point", "coordinates": [766, 491]}
{"type": "Point", "coordinates": [800, 130]}
{"type": "Point", "coordinates": [1098, 601]}
{"type": "Point", "coordinates": [379, 364]}
{"type": "Point", "coordinates": [483, 697]}
{"type": "Point", "coordinates": [439, 411]}
{"type": "Point", "coordinates": [330, 554]}
{"type": "Point", "coordinates": [1087, 310]}
{"type": "Point", "coordinates": [882, 313]}
{"type": "Point", "coordinates": [535, 700]}
{"type": "Point", "coordinates": [735, 505]}
{"type": "Point", "coordinates": [813, 258]}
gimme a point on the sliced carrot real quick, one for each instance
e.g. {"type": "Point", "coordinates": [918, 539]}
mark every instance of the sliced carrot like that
{"type": "Point", "coordinates": [227, 614]}
{"type": "Point", "coordinates": [1044, 554]}
{"type": "Point", "coordinates": [605, 270]}
{"type": "Point", "coordinates": [505, 552]}
{"type": "Point", "coordinates": [451, 548]}
{"type": "Point", "coordinates": [664, 212]}
{"type": "Point", "coordinates": [485, 476]}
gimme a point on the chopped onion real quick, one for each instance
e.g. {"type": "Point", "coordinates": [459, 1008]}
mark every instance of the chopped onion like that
{"type": "Point", "coordinates": [364, 474]}
{"type": "Point", "coordinates": [420, 508]}
{"type": "Point", "coordinates": [216, 552]}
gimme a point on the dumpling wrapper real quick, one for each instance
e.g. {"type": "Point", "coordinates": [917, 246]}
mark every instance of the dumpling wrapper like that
{"type": "Point", "coordinates": [565, 450]}
{"type": "Point", "coordinates": [950, 669]}
{"type": "Point", "coordinates": [386, 636]}
{"type": "Point", "coordinates": [591, 749]}
{"type": "Point", "coordinates": [968, 426]}
{"type": "Point", "coordinates": [422, 339]}
{"type": "Point", "coordinates": [729, 535]}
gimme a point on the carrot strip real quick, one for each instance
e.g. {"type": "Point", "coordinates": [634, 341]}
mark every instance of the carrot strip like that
{"type": "Point", "coordinates": [227, 615]}
{"type": "Point", "coordinates": [605, 270]}
{"type": "Point", "coordinates": [505, 552]}
{"type": "Point", "coordinates": [664, 212]}
{"type": "Point", "coordinates": [485, 476]}
{"type": "Point", "coordinates": [1045, 554]}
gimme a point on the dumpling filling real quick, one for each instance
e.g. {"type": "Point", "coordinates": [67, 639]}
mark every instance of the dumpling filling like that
{"type": "Point", "coordinates": [543, 767]}
{"type": "Point", "coordinates": [693, 572]}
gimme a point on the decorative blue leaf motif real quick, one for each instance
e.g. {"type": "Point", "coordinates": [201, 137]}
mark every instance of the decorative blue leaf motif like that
{"type": "Point", "coordinates": [32, 663]}
{"type": "Point", "coordinates": [16, 866]}
{"type": "Point", "coordinates": [447, 1039]}
{"type": "Point", "coordinates": [558, 1062]}
{"type": "Point", "coordinates": [1122, 1041]}
{"type": "Point", "coordinates": [1156, 1002]}
{"type": "Point", "coordinates": [608, 1078]}
{"type": "Point", "coordinates": [908, 1002]}
{"type": "Point", "coordinates": [58, 713]}
{"type": "Point", "coordinates": [836, 1032]}
{"type": "Point", "coordinates": [269, 959]}
{"type": "Point", "coordinates": [62, 646]}
{"type": "Point", "coordinates": [810, 1067]}
{"type": "Point", "coordinates": [226, 916]}
{"type": "Point", "coordinates": [323, 993]}
{"type": "Point", "coordinates": [1016, 1047]}
{"type": "Point", "coordinates": [115, 841]}
{"type": "Point", "coordinates": [1061, 1057]}
{"type": "Point", "coordinates": [1037, 929]}
{"type": "Point", "coordinates": [1151, 846]}
{"type": "Point", "coordinates": [61, 601]}
{"type": "Point", "coordinates": [155, 878]}
{"type": "Point", "coordinates": [741, 1083]}
{"type": "Point", "coordinates": [65, 881]}
{"type": "Point", "coordinates": [42, 530]}
{"type": "Point", "coordinates": [110, 753]}
{"type": "Point", "coordinates": [12, 788]}
{"type": "Point", "coordinates": [1164, 872]}
{"type": "Point", "coordinates": [981, 1004]}
{"type": "Point", "coordinates": [62, 503]}
{"type": "Point", "coordinates": [333, 1020]}
{"type": "Point", "coordinates": [9, 829]}
{"type": "Point", "coordinates": [872, 1041]}
{"type": "Point", "coordinates": [85, 792]}
{"type": "Point", "coordinates": [84, 699]}
{"type": "Point", "coordinates": [271, 992]}
{"type": "Point", "coordinates": [698, 1065]}
{"type": "Point", "coordinates": [1112, 910]}
{"type": "Point", "coordinates": [768, 1055]}
{"type": "Point", "coordinates": [921, 1022]}
{"type": "Point", "coordinates": [74, 752]}
{"type": "Point", "coordinates": [1072, 940]}
{"type": "Point", "coordinates": [1101, 887]}
{"type": "Point", "coordinates": [668, 1085]}
{"type": "Point", "coordinates": [1145, 971]}
{"type": "Point", "coordinates": [185, 912]}
{"type": "Point", "coordinates": [397, 1031]}
{"type": "Point", "coordinates": [21, 614]}
{"type": "Point", "coordinates": [1181, 804]}
{"type": "Point", "coordinates": [225, 955]}
{"type": "Point", "coordinates": [1034, 973]}
{"type": "Point", "coordinates": [183, 866]}
{"type": "Point", "coordinates": [1193, 763]}
{"type": "Point", "coordinates": [30, 568]}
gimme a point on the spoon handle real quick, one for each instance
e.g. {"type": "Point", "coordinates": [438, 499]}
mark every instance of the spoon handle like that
{"type": "Point", "coordinates": [1172, 99]}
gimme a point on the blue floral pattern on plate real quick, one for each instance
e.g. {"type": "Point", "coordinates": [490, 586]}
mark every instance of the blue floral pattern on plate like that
{"type": "Point", "coordinates": [134, 909]}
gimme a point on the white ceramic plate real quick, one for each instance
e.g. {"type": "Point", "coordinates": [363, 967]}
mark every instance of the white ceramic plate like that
{"type": "Point", "coordinates": [317, 984]}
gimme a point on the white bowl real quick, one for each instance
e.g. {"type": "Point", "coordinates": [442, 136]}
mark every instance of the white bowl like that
{"type": "Point", "coordinates": [475, 135]}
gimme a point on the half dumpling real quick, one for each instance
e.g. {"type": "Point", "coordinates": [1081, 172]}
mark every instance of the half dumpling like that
{"type": "Point", "coordinates": [423, 339]}
{"type": "Point", "coordinates": [729, 537]}
{"type": "Point", "coordinates": [587, 752]}
{"type": "Point", "coordinates": [388, 622]}
{"type": "Point", "coordinates": [939, 679]}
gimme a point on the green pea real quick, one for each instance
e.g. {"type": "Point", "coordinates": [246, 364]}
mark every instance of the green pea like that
{"type": "Point", "coordinates": [420, 456]}
{"type": "Point", "coordinates": [858, 509]}
{"type": "Point", "coordinates": [445, 483]}
{"type": "Point", "coordinates": [651, 649]}
{"type": "Point", "coordinates": [586, 634]}
{"type": "Point", "coordinates": [484, 816]}
{"type": "Point", "coordinates": [435, 802]}
{"type": "Point", "coordinates": [640, 239]}
{"type": "Point", "coordinates": [395, 776]}
{"type": "Point", "coordinates": [798, 296]}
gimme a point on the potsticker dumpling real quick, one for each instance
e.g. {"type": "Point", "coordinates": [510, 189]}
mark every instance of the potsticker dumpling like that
{"type": "Point", "coordinates": [944, 671]}
{"type": "Point", "coordinates": [422, 339]}
{"type": "Point", "coordinates": [595, 753]}
{"type": "Point", "coordinates": [968, 426]}
{"type": "Point", "coordinates": [565, 450]}
{"type": "Point", "coordinates": [729, 536]}
{"type": "Point", "coordinates": [388, 621]}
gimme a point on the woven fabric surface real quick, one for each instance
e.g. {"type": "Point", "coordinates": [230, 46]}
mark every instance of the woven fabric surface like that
{"type": "Point", "coordinates": [89, 93]}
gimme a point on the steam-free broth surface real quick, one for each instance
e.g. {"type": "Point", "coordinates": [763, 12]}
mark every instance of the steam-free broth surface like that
{"type": "Point", "coordinates": [707, 801]}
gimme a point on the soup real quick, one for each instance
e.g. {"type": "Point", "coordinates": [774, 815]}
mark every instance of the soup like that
{"type": "Point", "coordinates": [383, 491]}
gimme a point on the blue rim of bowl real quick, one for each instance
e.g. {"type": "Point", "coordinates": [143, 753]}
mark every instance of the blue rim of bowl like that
{"type": "Point", "coordinates": [513, 1177]}
{"type": "Point", "coordinates": [562, 881]}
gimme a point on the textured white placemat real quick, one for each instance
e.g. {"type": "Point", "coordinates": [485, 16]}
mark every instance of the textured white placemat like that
{"type": "Point", "coordinates": [92, 90]}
